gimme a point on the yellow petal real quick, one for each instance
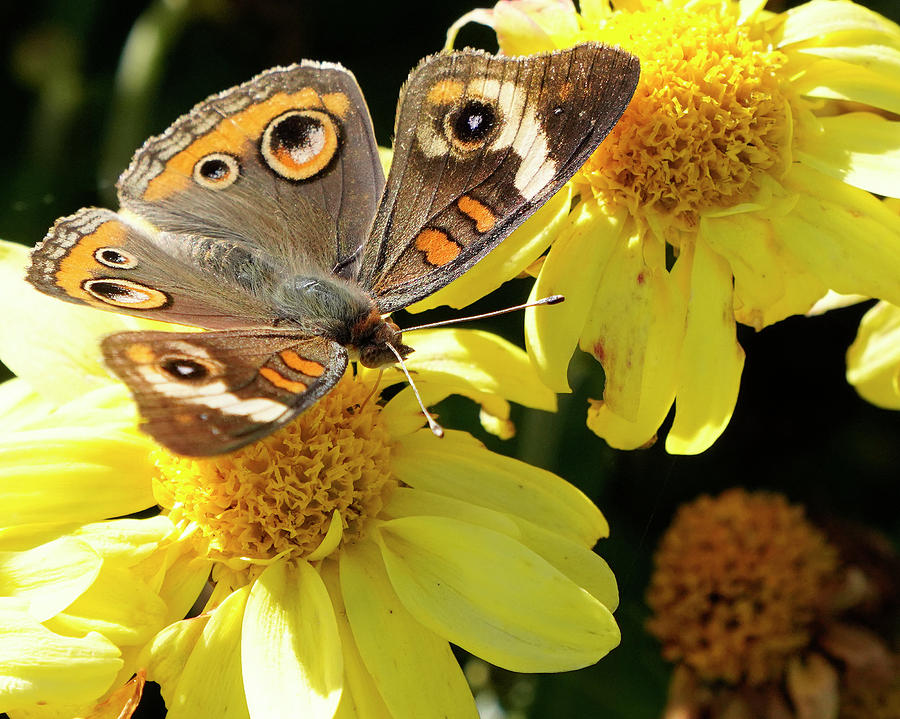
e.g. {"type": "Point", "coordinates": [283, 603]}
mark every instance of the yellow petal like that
{"type": "Point", "coordinates": [711, 359]}
{"type": "Point", "coordinates": [407, 502]}
{"type": "Point", "coordinates": [879, 58]}
{"type": "Point", "coordinates": [210, 685]}
{"type": "Point", "coordinates": [290, 648]}
{"type": "Point", "coordinates": [859, 148]}
{"type": "Point", "coordinates": [660, 376]}
{"type": "Point", "coordinates": [844, 235]}
{"type": "Point", "coordinates": [516, 252]}
{"type": "Point", "coordinates": [49, 577]}
{"type": "Point", "coordinates": [832, 300]}
{"type": "Point", "coordinates": [122, 703]}
{"type": "Point", "coordinates": [165, 656]}
{"type": "Point", "coordinates": [749, 9]}
{"type": "Point", "coordinates": [480, 16]}
{"type": "Point", "coordinates": [360, 697]}
{"type": "Point", "coordinates": [596, 12]}
{"type": "Point", "coordinates": [830, 22]}
{"type": "Point", "coordinates": [838, 80]}
{"type": "Point", "coordinates": [54, 345]}
{"type": "Point", "coordinates": [413, 668]}
{"type": "Point", "coordinates": [38, 666]}
{"type": "Point", "coordinates": [184, 579]}
{"type": "Point", "coordinates": [493, 596]}
{"type": "Point", "coordinates": [747, 242]}
{"type": "Point", "coordinates": [20, 405]}
{"type": "Point", "coordinates": [118, 605]}
{"type": "Point", "coordinates": [471, 362]}
{"type": "Point", "coordinates": [585, 568]}
{"type": "Point", "coordinates": [770, 283]}
{"type": "Point", "coordinates": [68, 475]}
{"type": "Point", "coordinates": [527, 26]}
{"type": "Point", "coordinates": [873, 360]}
{"type": "Point", "coordinates": [458, 467]}
{"type": "Point", "coordinates": [573, 559]}
{"type": "Point", "coordinates": [573, 268]}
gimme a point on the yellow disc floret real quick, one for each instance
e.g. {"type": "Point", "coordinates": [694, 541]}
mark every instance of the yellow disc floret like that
{"type": "Point", "coordinates": [738, 582]}
{"type": "Point", "coordinates": [710, 115]}
{"type": "Point", "coordinates": [279, 495]}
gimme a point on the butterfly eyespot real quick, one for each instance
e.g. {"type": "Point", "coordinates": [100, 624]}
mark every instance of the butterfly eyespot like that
{"type": "Point", "coordinates": [470, 126]}
{"type": "Point", "coordinates": [126, 294]}
{"type": "Point", "coordinates": [300, 144]}
{"type": "Point", "coordinates": [115, 257]}
{"type": "Point", "coordinates": [216, 171]}
{"type": "Point", "coordinates": [185, 369]}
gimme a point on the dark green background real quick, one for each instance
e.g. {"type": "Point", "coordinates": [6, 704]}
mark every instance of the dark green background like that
{"type": "Point", "coordinates": [798, 428]}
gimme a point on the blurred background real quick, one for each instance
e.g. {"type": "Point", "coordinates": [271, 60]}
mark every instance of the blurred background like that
{"type": "Point", "coordinates": [85, 83]}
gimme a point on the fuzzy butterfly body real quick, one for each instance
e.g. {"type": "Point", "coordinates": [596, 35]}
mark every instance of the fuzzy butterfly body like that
{"type": "Point", "coordinates": [263, 215]}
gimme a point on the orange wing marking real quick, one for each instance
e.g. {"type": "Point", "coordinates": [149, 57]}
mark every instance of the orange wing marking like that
{"type": "Point", "coordinates": [281, 381]}
{"type": "Point", "coordinates": [301, 365]}
{"type": "Point", "coordinates": [439, 249]}
{"type": "Point", "coordinates": [482, 214]}
{"type": "Point", "coordinates": [73, 268]}
{"type": "Point", "coordinates": [229, 136]}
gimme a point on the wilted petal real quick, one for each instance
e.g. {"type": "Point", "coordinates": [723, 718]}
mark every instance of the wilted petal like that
{"type": "Point", "coordinates": [573, 268]}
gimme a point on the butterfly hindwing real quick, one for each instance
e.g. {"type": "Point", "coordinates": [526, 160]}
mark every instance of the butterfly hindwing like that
{"type": "Point", "coordinates": [207, 393]}
{"type": "Point", "coordinates": [287, 162]}
{"type": "Point", "coordinates": [481, 142]}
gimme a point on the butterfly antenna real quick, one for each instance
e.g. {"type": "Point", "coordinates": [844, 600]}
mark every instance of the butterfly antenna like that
{"type": "Point", "coordinates": [434, 426]}
{"type": "Point", "coordinates": [551, 300]}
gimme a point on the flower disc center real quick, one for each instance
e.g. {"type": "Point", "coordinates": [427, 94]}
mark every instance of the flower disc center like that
{"type": "Point", "coordinates": [709, 116]}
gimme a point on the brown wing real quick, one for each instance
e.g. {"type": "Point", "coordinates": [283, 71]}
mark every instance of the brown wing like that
{"type": "Point", "coordinates": [286, 162]}
{"type": "Point", "coordinates": [481, 142]}
{"type": "Point", "coordinates": [212, 392]}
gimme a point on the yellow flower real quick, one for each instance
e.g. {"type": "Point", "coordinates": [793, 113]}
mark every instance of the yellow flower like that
{"type": "Point", "coordinates": [737, 584]}
{"type": "Point", "coordinates": [736, 188]}
{"type": "Point", "coordinates": [765, 616]}
{"type": "Point", "coordinates": [328, 566]}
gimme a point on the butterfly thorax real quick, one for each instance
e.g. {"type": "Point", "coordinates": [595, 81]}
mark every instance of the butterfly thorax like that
{"type": "Point", "coordinates": [340, 311]}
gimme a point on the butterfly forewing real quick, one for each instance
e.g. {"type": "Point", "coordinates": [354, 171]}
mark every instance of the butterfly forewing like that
{"type": "Point", "coordinates": [286, 162]}
{"type": "Point", "coordinates": [115, 262]}
{"type": "Point", "coordinates": [208, 393]}
{"type": "Point", "coordinates": [481, 142]}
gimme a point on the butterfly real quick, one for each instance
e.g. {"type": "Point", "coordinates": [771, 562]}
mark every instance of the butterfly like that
{"type": "Point", "coordinates": [263, 216]}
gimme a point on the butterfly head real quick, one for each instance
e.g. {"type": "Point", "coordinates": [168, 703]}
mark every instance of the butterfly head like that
{"type": "Point", "coordinates": [373, 337]}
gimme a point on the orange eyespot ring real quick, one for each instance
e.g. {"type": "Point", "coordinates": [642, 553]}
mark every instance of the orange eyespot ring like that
{"type": "Point", "coordinates": [115, 257]}
{"type": "Point", "coordinates": [126, 294]}
{"type": "Point", "coordinates": [299, 144]}
{"type": "Point", "coordinates": [472, 125]}
{"type": "Point", "coordinates": [216, 171]}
